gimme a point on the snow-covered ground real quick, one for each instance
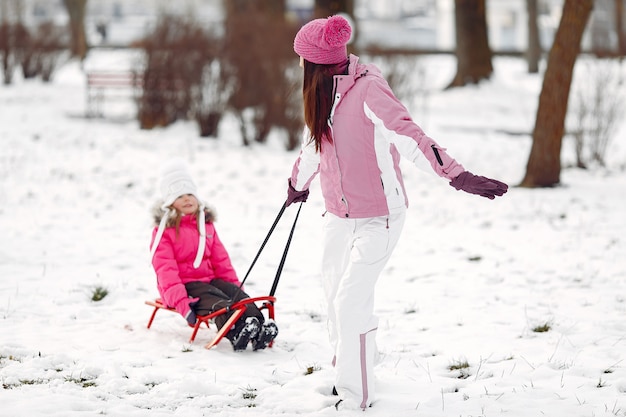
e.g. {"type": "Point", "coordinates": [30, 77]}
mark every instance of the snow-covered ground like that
{"type": "Point", "coordinates": [468, 283]}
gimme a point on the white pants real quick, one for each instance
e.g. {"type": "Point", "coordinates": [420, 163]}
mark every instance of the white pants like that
{"type": "Point", "coordinates": [355, 253]}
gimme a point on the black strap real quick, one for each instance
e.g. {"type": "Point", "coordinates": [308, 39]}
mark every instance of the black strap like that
{"type": "Point", "coordinates": [284, 257]}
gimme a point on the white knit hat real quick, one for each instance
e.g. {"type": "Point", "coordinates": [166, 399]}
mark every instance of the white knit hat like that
{"type": "Point", "coordinates": [175, 181]}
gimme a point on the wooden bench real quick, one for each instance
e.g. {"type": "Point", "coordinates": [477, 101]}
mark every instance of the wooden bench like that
{"type": "Point", "coordinates": [125, 84]}
{"type": "Point", "coordinates": [237, 309]}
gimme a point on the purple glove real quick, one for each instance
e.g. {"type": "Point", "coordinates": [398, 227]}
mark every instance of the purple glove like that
{"type": "Point", "coordinates": [475, 184]}
{"type": "Point", "coordinates": [190, 315]}
{"type": "Point", "coordinates": [191, 318]}
{"type": "Point", "coordinates": [294, 196]}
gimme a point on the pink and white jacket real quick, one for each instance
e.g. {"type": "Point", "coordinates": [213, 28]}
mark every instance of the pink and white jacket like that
{"type": "Point", "coordinates": [359, 170]}
{"type": "Point", "coordinates": [174, 256]}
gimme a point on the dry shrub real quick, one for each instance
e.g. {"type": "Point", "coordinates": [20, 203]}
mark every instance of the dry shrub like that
{"type": "Point", "coordinates": [598, 102]}
{"type": "Point", "coordinates": [37, 51]}
{"type": "Point", "coordinates": [42, 51]}
{"type": "Point", "coordinates": [9, 34]}
{"type": "Point", "coordinates": [176, 54]}
{"type": "Point", "coordinates": [250, 69]}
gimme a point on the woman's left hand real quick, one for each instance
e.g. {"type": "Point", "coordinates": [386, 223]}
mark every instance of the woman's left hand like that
{"type": "Point", "coordinates": [475, 184]}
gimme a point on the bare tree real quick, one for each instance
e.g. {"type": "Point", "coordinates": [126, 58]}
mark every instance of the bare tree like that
{"type": "Point", "coordinates": [78, 41]}
{"type": "Point", "coordinates": [533, 54]}
{"type": "Point", "coordinates": [544, 163]}
{"type": "Point", "coordinates": [472, 45]}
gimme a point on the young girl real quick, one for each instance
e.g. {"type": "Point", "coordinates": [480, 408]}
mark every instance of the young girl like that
{"type": "Point", "coordinates": [193, 269]}
{"type": "Point", "coordinates": [356, 132]}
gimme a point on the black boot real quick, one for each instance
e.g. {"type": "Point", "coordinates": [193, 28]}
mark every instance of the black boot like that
{"type": "Point", "coordinates": [268, 333]}
{"type": "Point", "coordinates": [249, 331]}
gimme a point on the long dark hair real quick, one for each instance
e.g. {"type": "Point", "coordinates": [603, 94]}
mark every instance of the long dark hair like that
{"type": "Point", "coordinates": [317, 93]}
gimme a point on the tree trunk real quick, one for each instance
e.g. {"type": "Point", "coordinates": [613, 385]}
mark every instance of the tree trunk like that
{"type": "Point", "coordinates": [78, 41]}
{"type": "Point", "coordinates": [619, 27]}
{"type": "Point", "coordinates": [325, 8]}
{"type": "Point", "coordinates": [544, 163]}
{"type": "Point", "coordinates": [472, 44]}
{"type": "Point", "coordinates": [533, 55]}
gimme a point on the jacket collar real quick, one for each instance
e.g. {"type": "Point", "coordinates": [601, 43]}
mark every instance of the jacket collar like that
{"type": "Point", "coordinates": [356, 70]}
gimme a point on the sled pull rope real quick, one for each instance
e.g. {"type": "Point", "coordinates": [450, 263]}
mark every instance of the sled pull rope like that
{"type": "Point", "coordinates": [284, 257]}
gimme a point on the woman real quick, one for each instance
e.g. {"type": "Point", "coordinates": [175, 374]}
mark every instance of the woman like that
{"type": "Point", "coordinates": [193, 269]}
{"type": "Point", "coordinates": [356, 131]}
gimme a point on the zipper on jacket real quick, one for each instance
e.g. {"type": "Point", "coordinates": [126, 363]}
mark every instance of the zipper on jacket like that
{"type": "Point", "coordinates": [337, 99]}
{"type": "Point", "coordinates": [436, 152]}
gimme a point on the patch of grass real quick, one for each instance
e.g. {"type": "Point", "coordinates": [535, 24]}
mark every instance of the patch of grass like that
{"type": "Point", "coordinates": [310, 369]}
{"type": "Point", "coordinates": [411, 310]}
{"type": "Point", "coordinates": [458, 365]}
{"type": "Point", "coordinates": [249, 393]}
{"type": "Point", "coordinates": [37, 381]}
{"type": "Point", "coordinates": [542, 328]}
{"type": "Point", "coordinates": [462, 366]}
{"type": "Point", "coordinates": [314, 316]}
{"type": "Point", "coordinates": [83, 382]}
{"type": "Point", "coordinates": [99, 293]}
{"type": "Point", "coordinates": [611, 368]}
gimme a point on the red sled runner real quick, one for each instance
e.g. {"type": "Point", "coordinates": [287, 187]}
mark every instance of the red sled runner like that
{"type": "Point", "coordinates": [237, 309]}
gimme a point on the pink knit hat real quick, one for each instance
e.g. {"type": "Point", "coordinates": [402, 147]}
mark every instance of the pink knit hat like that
{"type": "Point", "coordinates": [323, 41]}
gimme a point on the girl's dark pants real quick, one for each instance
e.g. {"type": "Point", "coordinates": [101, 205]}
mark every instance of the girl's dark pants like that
{"type": "Point", "coordinates": [218, 294]}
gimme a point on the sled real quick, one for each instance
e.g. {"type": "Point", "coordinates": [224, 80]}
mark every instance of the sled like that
{"type": "Point", "coordinates": [239, 307]}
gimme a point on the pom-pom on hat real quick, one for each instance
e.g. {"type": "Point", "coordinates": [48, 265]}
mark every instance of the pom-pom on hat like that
{"type": "Point", "coordinates": [323, 41]}
{"type": "Point", "coordinates": [176, 181]}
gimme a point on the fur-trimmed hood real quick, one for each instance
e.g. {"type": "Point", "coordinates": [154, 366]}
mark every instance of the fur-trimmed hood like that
{"type": "Point", "coordinates": [165, 216]}
{"type": "Point", "coordinates": [210, 215]}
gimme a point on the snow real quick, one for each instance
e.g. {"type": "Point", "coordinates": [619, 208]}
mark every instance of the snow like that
{"type": "Point", "coordinates": [469, 281]}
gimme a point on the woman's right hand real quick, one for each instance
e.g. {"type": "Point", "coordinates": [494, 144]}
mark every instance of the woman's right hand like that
{"type": "Point", "coordinates": [294, 196]}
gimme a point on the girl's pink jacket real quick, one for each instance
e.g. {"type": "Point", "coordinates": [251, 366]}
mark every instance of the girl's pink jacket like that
{"type": "Point", "coordinates": [173, 262]}
{"type": "Point", "coordinates": [359, 170]}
